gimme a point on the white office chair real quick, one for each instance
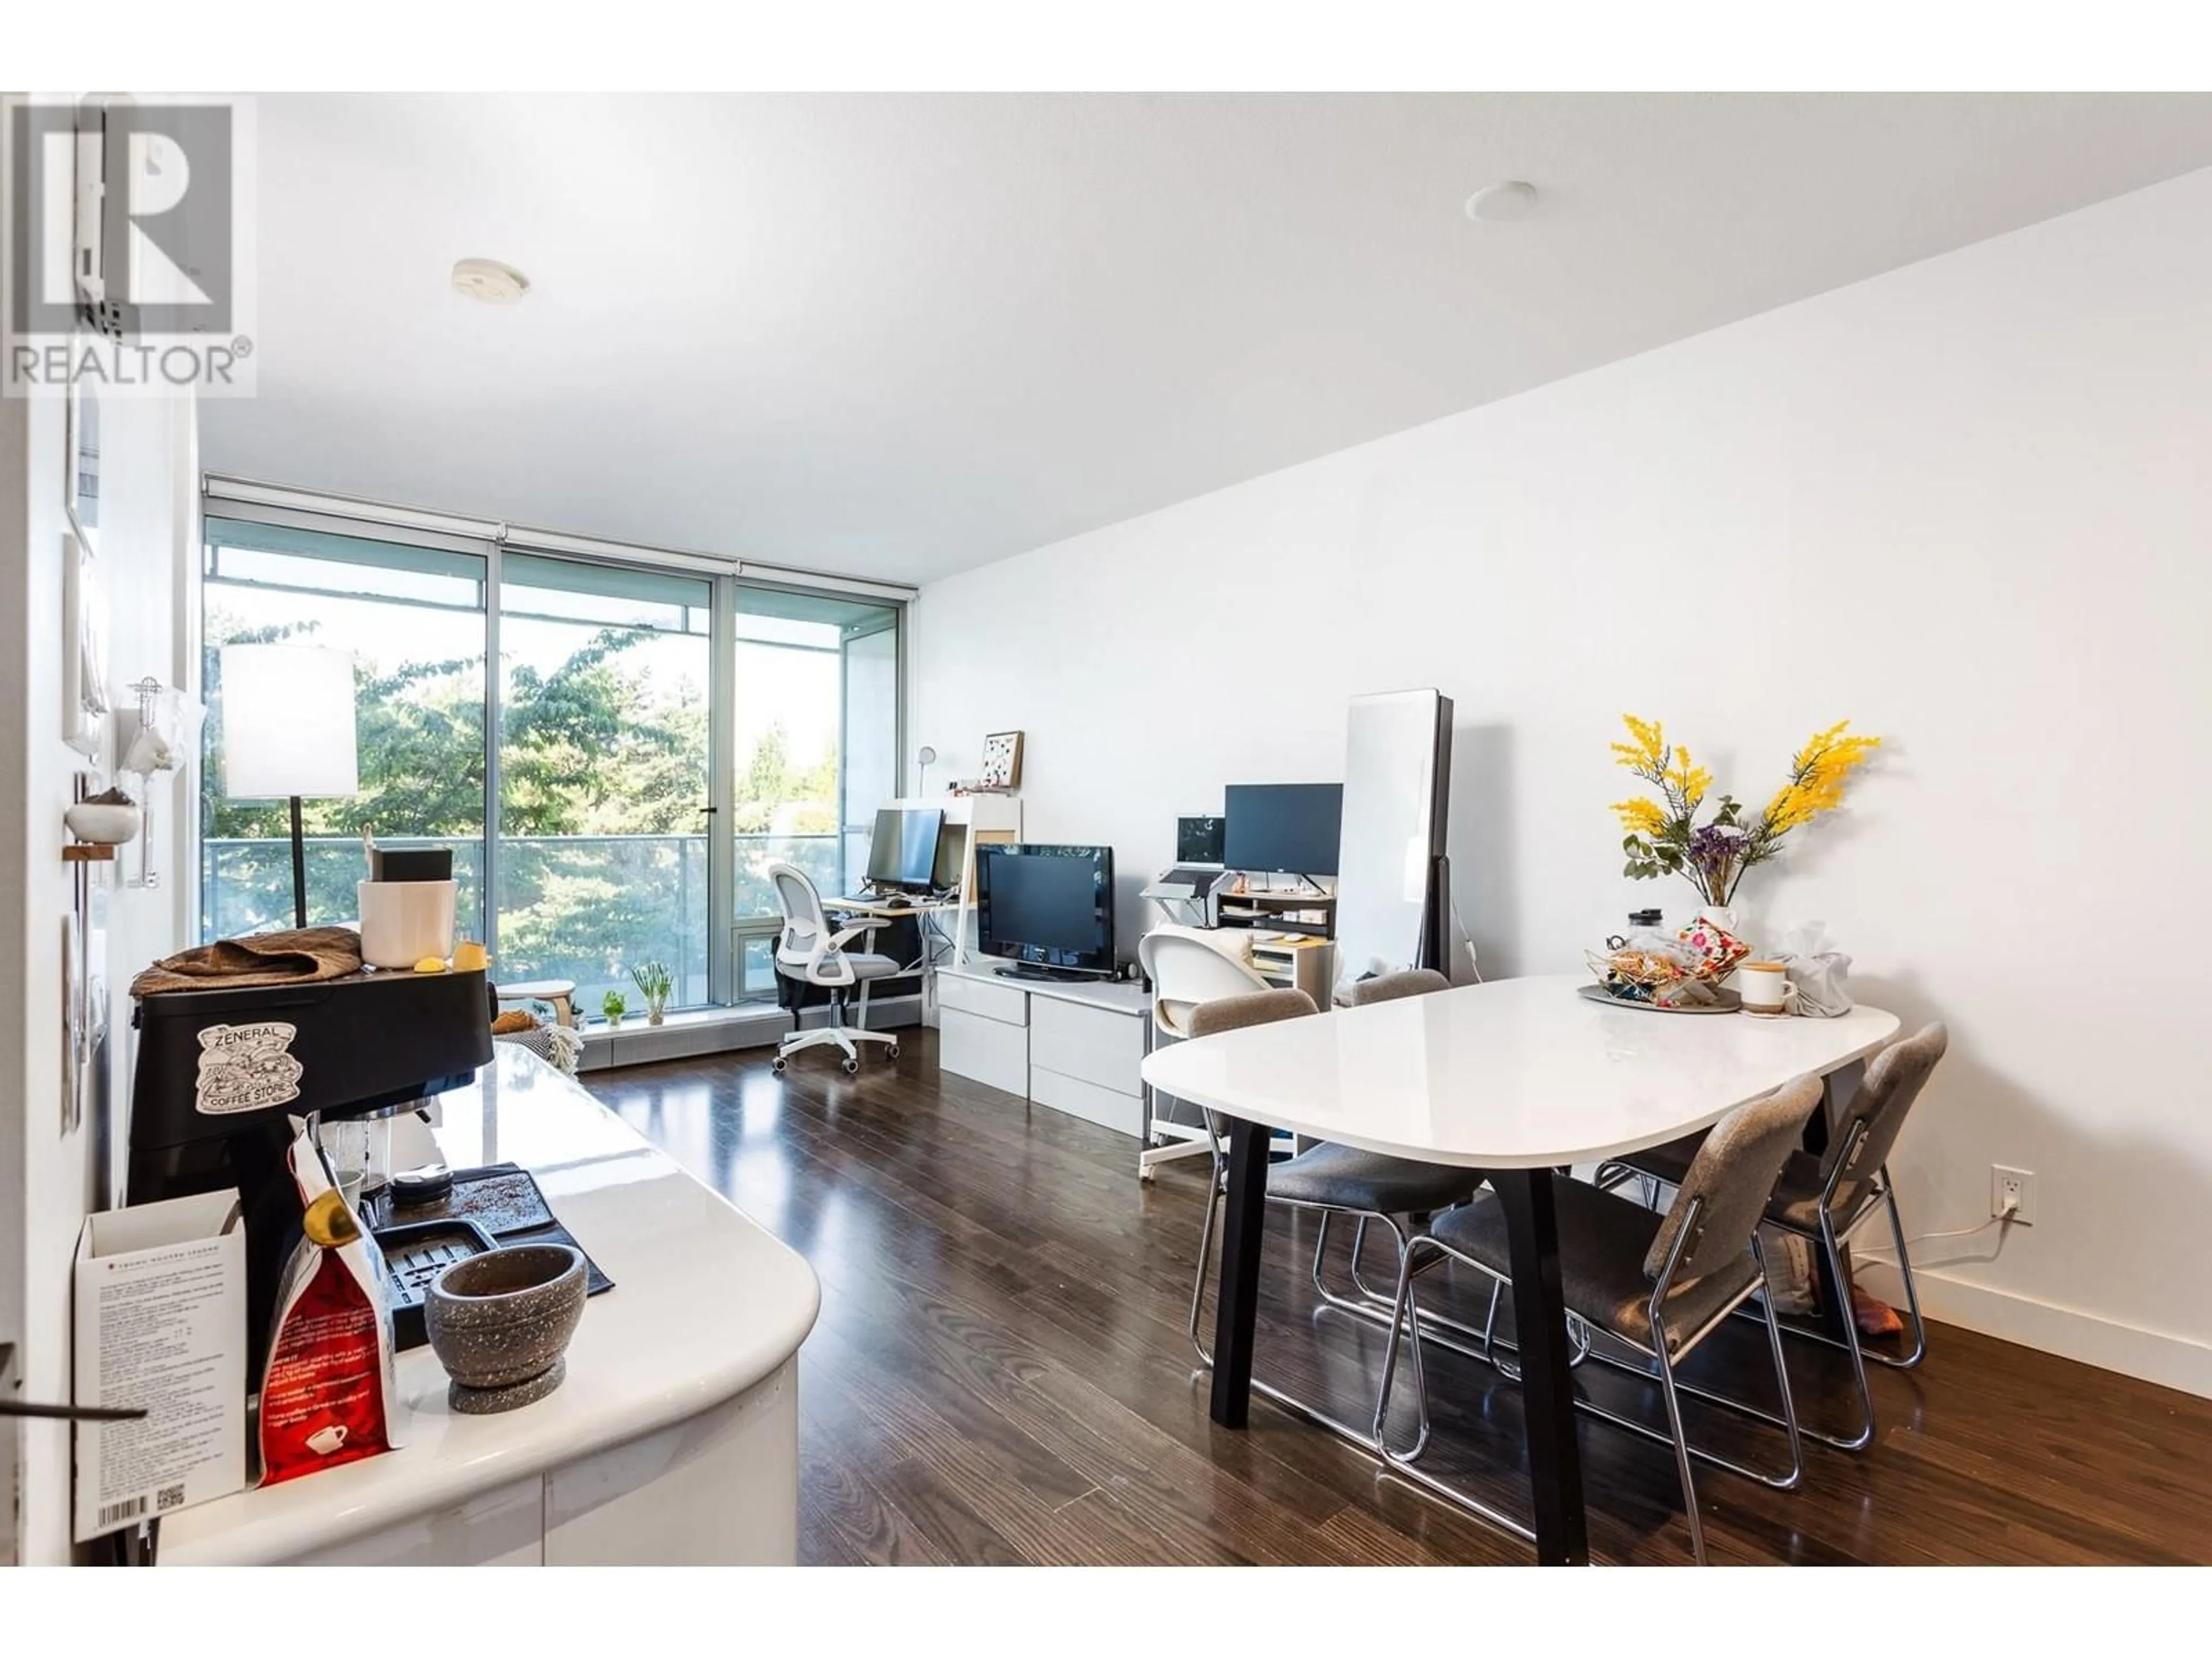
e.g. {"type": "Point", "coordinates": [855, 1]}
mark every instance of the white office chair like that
{"type": "Point", "coordinates": [1185, 967]}
{"type": "Point", "coordinates": [808, 953]}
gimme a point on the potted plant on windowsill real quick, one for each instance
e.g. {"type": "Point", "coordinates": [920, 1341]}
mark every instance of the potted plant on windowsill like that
{"type": "Point", "coordinates": [654, 983]}
{"type": "Point", "coordinates": [614, 1005]}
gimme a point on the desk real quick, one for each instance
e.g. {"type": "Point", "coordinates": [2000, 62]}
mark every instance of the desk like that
{"type": "Point", "coordinates": [1517, 1077]}
{"type": "Point", "coordinates": [923, 912]}
{"type": "Point", "coordinates": [675, 1438]}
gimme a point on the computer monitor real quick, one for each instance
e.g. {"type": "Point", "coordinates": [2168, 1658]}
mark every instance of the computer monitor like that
{"type": "Point", "coordinates": [903, 852]}
{"type": "Point", "coordinates": [1293, 828]}
{"type": "Point", "coordinates": [1049, 909]}
{"type": "Point", "coordinates": [1198, 841]}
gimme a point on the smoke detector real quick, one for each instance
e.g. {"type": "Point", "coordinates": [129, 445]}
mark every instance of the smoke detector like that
{"type": "Point", "coordinates": [1512, 198]}
{"type": "Point", "coordinates": [489, 281]}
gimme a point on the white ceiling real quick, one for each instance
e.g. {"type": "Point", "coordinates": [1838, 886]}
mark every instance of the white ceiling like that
{"type": "Point", "coordinates": [899, 336]}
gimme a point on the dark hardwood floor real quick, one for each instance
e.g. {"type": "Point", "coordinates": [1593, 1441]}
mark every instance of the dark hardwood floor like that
{"type": "Point", "coordinates": [1000, 1374]}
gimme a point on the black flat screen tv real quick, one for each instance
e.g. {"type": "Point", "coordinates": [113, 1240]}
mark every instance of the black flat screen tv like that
{"type": "Point", "coordinates": [1046, 908]}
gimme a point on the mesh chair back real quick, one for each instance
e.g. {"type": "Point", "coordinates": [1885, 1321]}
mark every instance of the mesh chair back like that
{"type": "Point", "coordinates": [1734, 1175]}
{"type": "Point", "coordinates": [1253, 1008]}
{"type": "Point", "coordinates": [804, 923]}
{"type": "Point", "coordinates": [1894, 1082]}
{"type": "Point", "coordinates": [1389, 987]}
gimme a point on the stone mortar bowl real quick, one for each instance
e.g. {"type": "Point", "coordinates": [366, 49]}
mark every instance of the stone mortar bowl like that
{"type": "Point", "coordinates": [499, 1323]}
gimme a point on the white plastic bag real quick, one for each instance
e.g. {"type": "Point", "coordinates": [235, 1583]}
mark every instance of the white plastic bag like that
{"type": "Point", "coordinates": [1819, 972]}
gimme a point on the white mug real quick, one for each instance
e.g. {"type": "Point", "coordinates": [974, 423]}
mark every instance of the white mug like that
{"type": "Point", "coordinates": [404, 921]}
{"type": "Point", "coordinates": [327, 1439]}
{"type": "Point", "coordinates": [1765, 988]}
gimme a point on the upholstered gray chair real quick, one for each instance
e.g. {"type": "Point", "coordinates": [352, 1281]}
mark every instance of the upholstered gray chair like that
{"type": "Point", "coordinates": [1333, 1180]}
{"type": "Point", "coordinates": [1824, 1199]}
{"type": "Point", "coordinates": [1360, 994]}
{"type": "Point", "coordinates": [1661, 1283]}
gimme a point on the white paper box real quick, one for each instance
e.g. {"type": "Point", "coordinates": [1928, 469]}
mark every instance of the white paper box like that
{"type": "Point", "coordinates": [160, 1322]}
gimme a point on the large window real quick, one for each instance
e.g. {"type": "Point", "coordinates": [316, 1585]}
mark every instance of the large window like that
{"type": "Point", "coordinates": [815, 745]}
{"type": "Point", "coordinates": [636, 713]}
{"type": "Point", "coordinates": [603, 787]}
{"type": "Point", "coordinates": [414, 619]}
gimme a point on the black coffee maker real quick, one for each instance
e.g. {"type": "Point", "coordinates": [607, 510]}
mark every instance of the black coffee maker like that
{"type": "Point", "coordinates": [222, 1074]}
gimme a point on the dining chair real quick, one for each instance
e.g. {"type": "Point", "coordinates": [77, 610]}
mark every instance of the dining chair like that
{"type": "Point", "coordinates": [1659, 1283]}
{"type": "Point", "coordinates": [1329, 1179]}
{"type": "Point", "coordinates": [1361, 994]}
{"type": "Point", "coordinates": [1824, 1199]}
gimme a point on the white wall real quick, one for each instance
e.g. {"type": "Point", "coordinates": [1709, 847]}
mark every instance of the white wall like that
{"type": "Point", "coordinates": [47, 1178]}
{"type": "Point", "coordinates": [1964, 504]}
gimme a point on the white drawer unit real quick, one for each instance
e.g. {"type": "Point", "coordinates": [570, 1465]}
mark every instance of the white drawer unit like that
{"type": "Point", "coordinates": [1073, 1047]}
{"type": "Point", "coordinates": [1124, 1114]}
{"type": "Point", "coordinates": [977, 1046]}
{"type": "Point", "coordinates": [1099, 1046]}
{"type": "Point", "coordinates": [990, 997]}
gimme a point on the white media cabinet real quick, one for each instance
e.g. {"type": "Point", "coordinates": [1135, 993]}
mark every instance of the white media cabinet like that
{"type": "Point", "coordinates": [1073, 1047]}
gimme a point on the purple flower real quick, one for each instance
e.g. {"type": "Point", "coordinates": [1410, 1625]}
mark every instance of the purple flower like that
{"type": "Point", "coordinates": [1715, 848]}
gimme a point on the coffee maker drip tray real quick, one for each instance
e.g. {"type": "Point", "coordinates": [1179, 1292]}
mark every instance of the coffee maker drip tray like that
{"type": "Point", "coordinates": [494, 1205]}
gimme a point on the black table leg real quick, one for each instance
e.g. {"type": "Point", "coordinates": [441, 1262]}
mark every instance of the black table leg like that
{"type": "Point", "coordinates": [1547, 1388]}
{"type": "Point", "coordinates": [1237, 1303]}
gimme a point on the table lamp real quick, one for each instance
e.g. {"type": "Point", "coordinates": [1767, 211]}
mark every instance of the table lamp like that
{"type": "Point", "coordinates": [287, 731]}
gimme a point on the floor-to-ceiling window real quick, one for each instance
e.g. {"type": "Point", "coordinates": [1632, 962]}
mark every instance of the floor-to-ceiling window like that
{"type": "Point", "coordinates": [638, 714]}
{"type": "Point", "coordinates": [815, 749]}
{"type": "Point", "coordinates": [413, 617]}
{"type": "Point", "coordinates": [603, 787]}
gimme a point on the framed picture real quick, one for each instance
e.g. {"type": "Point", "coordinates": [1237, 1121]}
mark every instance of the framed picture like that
{"type": "Point", "coordinates": [84, 649]}
{"type": "Point", "coordinates": [1002, 760]}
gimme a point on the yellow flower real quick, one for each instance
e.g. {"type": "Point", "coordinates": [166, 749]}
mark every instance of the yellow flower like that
{"type": "Point", "coordinates": [1647, 754]}
{"type": "Point", "coordinates": [1690, 782]}
{"type": "Point", "coordinates": [1818, 772]}
{"type": "Point", "coordinates": [1640, 816]}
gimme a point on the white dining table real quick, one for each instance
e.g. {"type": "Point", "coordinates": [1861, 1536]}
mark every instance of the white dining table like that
{"type": "Point", "coordinates": [1517, 1077]}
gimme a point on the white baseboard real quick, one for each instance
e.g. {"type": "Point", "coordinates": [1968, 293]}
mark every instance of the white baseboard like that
{"type": "Point", "coordinates": [722, 1031]}
{"type": "Point", "coordinates": [2176, 1362]}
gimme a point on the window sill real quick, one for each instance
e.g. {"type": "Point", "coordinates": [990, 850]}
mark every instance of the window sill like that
{"type": "Point", "coordinates": [714, 1031]}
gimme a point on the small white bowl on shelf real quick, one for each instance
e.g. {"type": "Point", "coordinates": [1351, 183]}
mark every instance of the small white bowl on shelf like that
{"type": "Point", "coordinates": [103, 823]}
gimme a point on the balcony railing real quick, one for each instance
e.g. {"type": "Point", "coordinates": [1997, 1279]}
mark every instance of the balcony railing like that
{"type": "Point", "coordinates": [583, 907]}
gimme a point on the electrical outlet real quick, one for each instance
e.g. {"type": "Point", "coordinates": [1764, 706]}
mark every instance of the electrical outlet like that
{"type": "Point", "coordinates": [2014, 1189]}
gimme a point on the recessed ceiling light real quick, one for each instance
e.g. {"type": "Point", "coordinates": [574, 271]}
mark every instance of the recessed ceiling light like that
{"type": "Point", "coordinates": [487, 280]}
{"type": "Point", "coordinates": [1509, 199]}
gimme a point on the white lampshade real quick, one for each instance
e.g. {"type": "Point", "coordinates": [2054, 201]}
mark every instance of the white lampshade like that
{"type": "Point", "coordinates": [288, 722]}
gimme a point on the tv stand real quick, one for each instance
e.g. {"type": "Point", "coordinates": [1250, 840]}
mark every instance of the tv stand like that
{"type": "Point", "coordinates": [1030, 971]}
{"type": "Point", "coordinates": [1074, 1048]}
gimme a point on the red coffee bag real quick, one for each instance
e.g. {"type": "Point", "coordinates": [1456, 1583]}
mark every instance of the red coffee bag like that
{"type": "Point", "coordinates": [328, 1394]}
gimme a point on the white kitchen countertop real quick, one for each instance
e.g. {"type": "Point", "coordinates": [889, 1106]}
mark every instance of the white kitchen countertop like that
{"type": "Point", "coordinates": [1516, 1073]}
{"type": "Point", "coordinates": [705, 1303]}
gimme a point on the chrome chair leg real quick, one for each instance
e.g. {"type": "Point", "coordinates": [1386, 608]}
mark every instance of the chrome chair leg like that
{"type": "Point", "coordinates": [1834, 1250]}
{"type": "Point", "coordinates": [1205, 1265]}
{"type": "Point", "coordinates": [1400, 1465]}
{"type": "Point", "coordinates": [1681, 1441]}
{"type": "Point", "coordinates": [1781, 1374]}
{"type": "Point", "coordinates": [1911, 1295]}
{"type": "Point", "coordinates": [1320, 1248]}
{"type": "Point", "coordinates": [1406, 1242]}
